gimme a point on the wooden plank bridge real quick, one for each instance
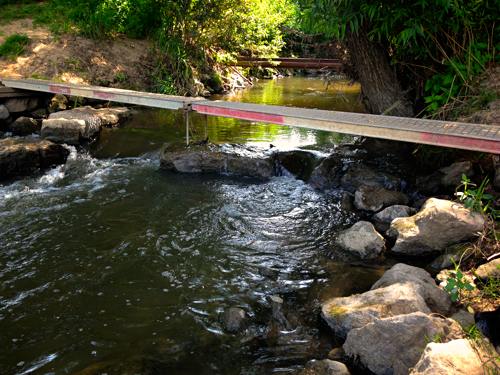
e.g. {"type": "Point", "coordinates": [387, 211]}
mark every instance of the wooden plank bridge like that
{"type": "Point", "coordinates": [475, 137]}
{"type": "Point", "coordinates": [290, 63]}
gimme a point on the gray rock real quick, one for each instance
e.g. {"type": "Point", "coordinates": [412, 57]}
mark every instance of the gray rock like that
{"type": "Point", "coordinates": [4, 112]}
{"type": "Point", "coordinates": [68, 131]}
{"type": "Point", "coordinates": [394, 345]}
{"type": "Point", "coordinates": [336, 354]}
{"type": "Point", "coordinates": [104, 116]}
{"type": "Point", "coordinates": [456, 357]}
{"type": "Point", "coordinates": [326, 174]}
{"type": "Point", "coordinates": [362, 240]}
{"type": "Point", "coordinates": [325, 367]}
{"type": "Point", "coordinates": [452, 175]}
{"type": "Point", "coordinates": [22, 156]}
{"type": "Point", "coordinates": [358, 175]}
{"type": "Point", "coordinates": [81, 124]}
{"type": "Point", "coordinates": [452, 255]}
{"type": "Point", "coordinates": [224, 159]}
{"type": "Point", "coordinates": [435, 298]}
{"type": "Point", "coordinates": [489, 270]}
{"type": "Point", "coordinates": [464, 318]}
{"type": "Point", "coordinates": [25, 104]}
{"type": "Point", "coordinates": [234, 319]}
{"type": "Point", "coordinates": [299, 163]}
{"type": "Point", "coordinates": [439, 224]}
{"type": "Point", "coordinates": [374, 198]}
{"type": "Point", "coordinates": [342, 314]}
{"type": "Point", "coordinates": [445, 178]}
{"type": "Point", "coordinates": [383, 219]}
{"type": "Point", "coordinates": [25, 126]}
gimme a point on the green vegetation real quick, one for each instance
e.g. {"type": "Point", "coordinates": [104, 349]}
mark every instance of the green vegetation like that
{"type": "Point", "coordinates": [476, 198]}
{"type": "Point", "coordinates": [14, 45]}
{"type": "Point", "coordinates": [457, 284]}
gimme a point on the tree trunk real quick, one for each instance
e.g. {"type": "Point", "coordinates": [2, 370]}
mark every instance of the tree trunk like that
{"type": "Point", "coordinates": [379, 84]}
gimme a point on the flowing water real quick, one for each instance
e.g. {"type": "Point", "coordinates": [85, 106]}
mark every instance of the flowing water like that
{"type": "Point", "coordinates": [110, 265]}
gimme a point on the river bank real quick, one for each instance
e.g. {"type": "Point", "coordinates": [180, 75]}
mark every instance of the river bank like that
{"type": "Point", "coordinates": [237, 260]}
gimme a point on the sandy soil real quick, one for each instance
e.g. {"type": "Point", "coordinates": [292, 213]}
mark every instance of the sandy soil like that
{"type": "Point", "coordinates": [121, 62]}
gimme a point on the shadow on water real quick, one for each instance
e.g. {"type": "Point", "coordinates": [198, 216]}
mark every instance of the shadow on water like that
{"type": "Point", "coordinates": [109, 265]}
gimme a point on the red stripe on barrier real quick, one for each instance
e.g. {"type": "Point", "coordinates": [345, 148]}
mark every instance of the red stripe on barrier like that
{"type": "Point", "coordinates": [57, 89]}
{"type": "Point", "coordinates": [236, 113]}
{"type": "Point", "coordinates": [103, 95]}
{"type": "Point", "coordinates": [461, 142]}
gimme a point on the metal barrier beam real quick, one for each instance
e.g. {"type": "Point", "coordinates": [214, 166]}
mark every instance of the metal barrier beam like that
{"type": "Point", "coordinates": [103, 93]}
{"type": "Point", "coordinates": [475, 137]}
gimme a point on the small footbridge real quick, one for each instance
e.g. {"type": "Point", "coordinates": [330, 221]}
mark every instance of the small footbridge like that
{"type": "Point", "coordinates": [475, 137]}
{"type": "Point", "coordinates": [290, 63]}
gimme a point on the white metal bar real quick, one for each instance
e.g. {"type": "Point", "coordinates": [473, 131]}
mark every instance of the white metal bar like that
{"type": "Point", "coordinates": [477, 137]}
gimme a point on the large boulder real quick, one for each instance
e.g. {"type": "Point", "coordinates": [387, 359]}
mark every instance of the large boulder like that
{"type": "Point", "coordinates": [383, 219]}
{"type": "Point", "coordinates": [435, 298]}
{"type": "Point", "coordinates": [358, 175]}
{"type": "Point", "coordinates": [342, 314]}
{"type": "Point", "coordinates": [81, 124]}
{"type": "Point", "coordinates": [394, 345]}
{"type": "Point", "coordinates": [439, 224]}
{"type": "Point", "coordinates": [25, 126]}
{"type": "Point", "coordinates": [324, 367]}
{"type": "Point", "coordinates": [361, 240]}
{"type": "Point", "coordinates": [21, 157]}
{"type": "Point", "coordinates": [374, 198]}
{"type": "Point", "coordinates": [456, 357]}
{"type": "Point", "coordinates": [219, 159]}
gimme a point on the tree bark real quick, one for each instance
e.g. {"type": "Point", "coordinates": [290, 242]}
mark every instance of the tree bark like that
{"type": "Point", "coordinates": [379, 84]}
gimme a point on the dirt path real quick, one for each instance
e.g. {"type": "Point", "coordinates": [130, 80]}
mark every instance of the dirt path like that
{"type": "Point", "coordinates": [121, 62]}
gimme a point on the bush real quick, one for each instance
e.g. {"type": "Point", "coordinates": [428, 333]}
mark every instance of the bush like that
{"type": "Point", "coordinates": [14, 45]}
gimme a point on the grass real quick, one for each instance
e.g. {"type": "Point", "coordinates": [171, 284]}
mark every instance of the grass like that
{"type": "Point", "coordinates": [14, 45]}
{"type": "Point", "coordinates": [48, 14]}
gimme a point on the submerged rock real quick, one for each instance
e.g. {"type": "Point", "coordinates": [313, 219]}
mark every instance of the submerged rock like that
{"type": "Point", "coordinates": [219, 159]}
{"type": "Point", "coordinates": [342, 314]}
{"type": "Point", "coordinates": [300, 163]}
{"type": "Point", "coordinates": [362, 240]}
{"type": "Point", "coordinates": [23, 156]}
{"type": "Point", "coordinates": [454, 357]}
{"type": "Point", "coordinates": [394, 345]}
{"type": "Point", "coordinates": [81, 124]}
{"type": "Point", "coordinates": [4, 112]}
{"type": "Point", "coordinates": [435, 298]}
{"type": "Point", "coordinates": [25, 126]}
{"type": "Point", "coordinates": [324, 367]}
{"type": "Point", "coordinates": [439, 224]}
{"type": "Point", "coordinates": [384, 218]}
{"type": "Point", "coordinates": [374, 198]}
{"type": "Point", "coordinates": [234, 319]}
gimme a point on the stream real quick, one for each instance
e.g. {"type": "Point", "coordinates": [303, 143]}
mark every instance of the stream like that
{"type": "Point", "coordinates": [109, 265]}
